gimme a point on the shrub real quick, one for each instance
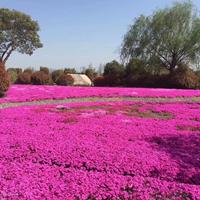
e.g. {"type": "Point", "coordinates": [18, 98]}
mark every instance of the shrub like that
{"type": "Point", "coordinates": [4, 80]}
{"type": "Point", "coordinates": [136, 74]}
{"type": "Point", "coordinates": [56, 74]}
{"type": "Point", "coordinates": [14, 73]}
{"type": "Point", "coordinates": [24, 78]}
{"type": "Point", "coordinates": [198, 74]}
{"type": "Point", "coordinates": [139, 80]}
{"type": "Point", "coordinates": [91, 73]}
{"type": "Point", "coordinates": [100, 81]}
{"type": "Point", "coordinates": [70, 71]}
{"type": "Point", "coordinates": [162, 81]}
{"type": "Point", "coordinates": [28, 70]}
{"type": "Point", "coordinates": [65, 79]}
{"type": "Point", "coordinates": [40, 78]}
{"type": "Point", "coordinates": [17, 70]}
{"type": "Point", "coordinates": [184, 77]}
{"type": "Point", "coordinates": [114, 73]}
{"type": "Point", "coordinates": [44, 69]}
{"type": "Point", "coordinates": [13, 76]}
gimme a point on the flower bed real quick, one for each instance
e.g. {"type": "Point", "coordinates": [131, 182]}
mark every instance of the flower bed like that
{"type": "Point", "coordinates": [22, 93]}
{"type": "Point", "coordinates": [113, 150]}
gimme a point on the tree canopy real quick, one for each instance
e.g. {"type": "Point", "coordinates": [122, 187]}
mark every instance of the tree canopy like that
{"type": "Point", "coordinates": [91, 73]}
{"type": "Point", "coordinates": [114, 73]}
{"type": "Point", "coordinates": [18, 32]}
{"type": "Point", "coordinates": [170, 37]}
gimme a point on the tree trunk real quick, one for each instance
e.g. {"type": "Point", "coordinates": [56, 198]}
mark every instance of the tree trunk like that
{"type": "Point", "coordinates": [173, 63]}
{"type": "Point", "coordinates": [2, 65]}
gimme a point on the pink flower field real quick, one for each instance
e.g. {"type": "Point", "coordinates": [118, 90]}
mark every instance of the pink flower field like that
{"type": "Point", "coordinates": [99, 150]}
{"type": "Point", "coordinates": [21, 93]}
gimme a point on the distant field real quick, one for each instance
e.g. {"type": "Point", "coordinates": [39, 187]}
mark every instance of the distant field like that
{"type": "Point", "coordinates": [99, 143]}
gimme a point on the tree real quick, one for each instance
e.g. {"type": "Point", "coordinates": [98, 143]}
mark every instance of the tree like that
{"type": "Point", "coordinates": [65, 79]}
{"type": "Point", "coordinates": [45, 70]}
{"type": "Point", "coordinates": [114, 73]}
{"type": "Point", "coordinates": [135, 66]}
{"type": "Point", "coordinates": [70, 71]}
{"type": "Point", "coordinates": [170, 36]}
{"type": "Point", "coordinates": [184, 77]}
{"type": "Point", "coordinates": [137, 74]}
{"type": "Point", "coordinates": [24, 78]}
{"type": "Point", "coordinates": [18, 32]}
{"type": "Point", "coordinates": [56, 74]}
{"type": "Point", "coordinates": [14, 73]}
{"type": "Point", "coordinates": [100, 69]}
{"type": "Point", "coordinates": [90, 72]}
{"type": "Point", "coordinates": [40, 78]}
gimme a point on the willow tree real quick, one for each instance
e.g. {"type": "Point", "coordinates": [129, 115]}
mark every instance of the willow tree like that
{"type": "Point", "coordinates": [18, 32]}
{"type": "Point", "coordinates": [169, 36]}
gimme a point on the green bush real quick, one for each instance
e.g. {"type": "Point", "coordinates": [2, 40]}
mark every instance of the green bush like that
{"type": "Point", "coordinates": [137, 75]}
{"type": "Point", "coordinates": [56, 74]}
{"type": "Point", "coordinates": [44, 69]}
{"type": "Point", "coordinates": [138, 80]}
{"type": "Point", "coordinates": [65, 79]}
{"type": "Point", "coordinates": [184, 77]}
{"type": "Point", "coordinates": [24, 78]}
{"type": "Point", "coordinates": [91, 73]}
{"type": "Point", "coordinates": [162, 81]}
{"type": "Point", "coordinates": [114, 73]}
{"type": "Point", "coordinates": [13, 76]}
{"type": "Point", "coordinates": [100, 81]}
{"type": "Point", "coordinates": [4, 80]}
{"type": "Point", "coordinates": [18, 70]}
{"type": "Point", "coordinates": [14, 73]}
{"type": "Point", "coordinates": [40, 78]}
{"type": "Point", "coordinates": [28, 70]}
{"type": "Point", "coordinates": [70, 71]}
{"type": "Point", "coordinates": [198, 74]}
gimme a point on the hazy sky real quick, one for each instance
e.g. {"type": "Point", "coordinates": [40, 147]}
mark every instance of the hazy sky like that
{"type": "Point", "coordinates": [77, 33]}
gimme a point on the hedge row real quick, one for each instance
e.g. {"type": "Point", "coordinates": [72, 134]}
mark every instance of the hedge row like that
{"type": "Point", "coordinates": [41, 77]}
{"type": "Point", "coordinates": [134, 74]}
{"type": "Point", "coordinates": [181, 79]}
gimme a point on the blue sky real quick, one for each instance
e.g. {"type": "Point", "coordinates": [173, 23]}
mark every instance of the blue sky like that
{"type": "Point", "coordinates": [76, 33]}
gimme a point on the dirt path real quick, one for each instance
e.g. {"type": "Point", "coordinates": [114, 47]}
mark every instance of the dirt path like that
{"type": "Point", "coordinates": [99, 99]}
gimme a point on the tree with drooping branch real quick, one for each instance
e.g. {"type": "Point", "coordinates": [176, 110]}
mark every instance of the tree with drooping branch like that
{"type": "Point", "coordinates": [169, 37]}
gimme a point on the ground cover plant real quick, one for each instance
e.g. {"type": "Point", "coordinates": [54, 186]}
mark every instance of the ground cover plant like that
{"type": "Point", "coordinates": [101, 150]}
{"type": "Point", "coordinates": [22, 93]}
{"type": "Point", "coordinates": [87, 143]}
